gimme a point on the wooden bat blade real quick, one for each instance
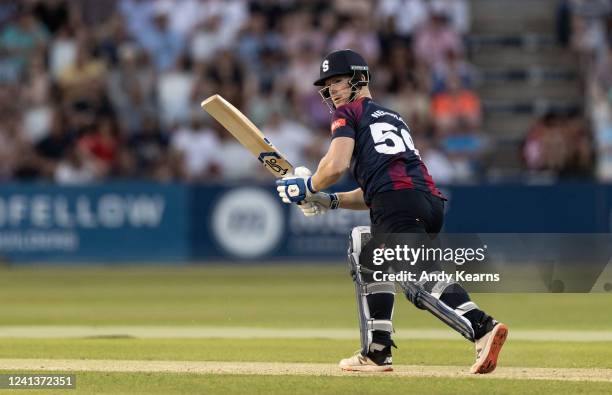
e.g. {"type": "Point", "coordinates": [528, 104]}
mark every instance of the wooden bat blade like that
{"type": "Point", "coordinates": [248, 135]}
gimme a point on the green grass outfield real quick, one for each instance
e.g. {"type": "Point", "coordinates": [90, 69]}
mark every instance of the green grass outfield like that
{"type": "Point", "coordinates": [277, 298]}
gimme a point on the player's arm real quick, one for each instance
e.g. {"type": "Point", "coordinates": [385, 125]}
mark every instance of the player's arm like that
{"type": "Point", "coordinates": [352, 200]}
{"type": "Point", "coordinates": [334, 163]}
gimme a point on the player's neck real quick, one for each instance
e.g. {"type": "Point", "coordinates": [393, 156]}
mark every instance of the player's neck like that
{"type": "Point", "coordinates": [363, 92]}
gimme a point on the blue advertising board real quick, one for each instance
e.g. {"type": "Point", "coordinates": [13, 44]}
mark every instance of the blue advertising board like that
{"type": "Point", "coordinates": [128, 222]}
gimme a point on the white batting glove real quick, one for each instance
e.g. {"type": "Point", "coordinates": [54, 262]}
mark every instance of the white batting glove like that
{"type": "Point", "coordinates": [316, 203]}
{"type": "Point", "coordinates": [319, 203]}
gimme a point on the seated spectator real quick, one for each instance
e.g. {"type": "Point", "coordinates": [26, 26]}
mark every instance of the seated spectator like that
{"type": "Point", "coordinates": [62, 51]}
{"type": "Point", "coordinates": [138, 17]}
{"type": "Point", "coordinates": [38, 113]}
{"type": "Point", "coordinates": [454, 64]}
{"type": "Point", "coordinates": [254, 38]}
{"type": "Point", "coordinates": [435, 39]}
{"type": "Point", "coordinates": [438, 164]}
{"type": "Point", "coordinates": [405, 16]}
{"type": "Point", "coordinates": [197, 147]}
{"type": "Point", "coordinates": [75, 169]}
{"type": "Point", "coordinates": [580, 157]}
{"type": "Point", "coordinates": [248, 168]}
{"type": "Point", "coordinates": [21, 38]}
{"type": "Point", "coordinates": [164, 45]}
{"type": "Point", "coordinates": [131, 87]}
{"type": "Point", "coordinates": [12, 144]}
{"type": "Point", "coordinates": [298, 32]}
{"type": "Point", "coordinates": [357, 34]}
{"type": "Point", "coordinates": [457, 11]}
{"type": "Point", "coordinates": [559, 144]}
{"type": "Point", "coordinates": [101, 144]}
{"type": "Point", "coordinates": [227, 75]}
{"type": "Point", "coordinates": [53, 14]}
{"type": "Point", "coordinates": [207, 39]}
{"type": "Point", "coordinates": [220, 23]}
{"type": "Point", "coordinates": [56, 145]}
{"type": "Point", "coordinates": [174, 89]}
{"type": "Point", "coordinates": [149, 147]}
{"type": "Point", "coordinates": [291, 138]}
{"type": "Point", "coordinates": [457, 109]}
{"type": "Point", "coordinates": [85, 76]}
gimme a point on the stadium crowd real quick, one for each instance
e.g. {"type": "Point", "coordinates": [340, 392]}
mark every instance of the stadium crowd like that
{"type": "Point", "coordinates": [560, 142]}
{"type": "Point", "coordinates": [92, 90]}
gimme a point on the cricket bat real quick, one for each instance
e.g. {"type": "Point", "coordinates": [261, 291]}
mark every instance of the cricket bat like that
{"type": "Point", "coordinates": [248, 135]}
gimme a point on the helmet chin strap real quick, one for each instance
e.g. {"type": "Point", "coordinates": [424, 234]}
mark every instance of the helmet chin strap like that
{"type": "Point", "coordinates": [356, 83]}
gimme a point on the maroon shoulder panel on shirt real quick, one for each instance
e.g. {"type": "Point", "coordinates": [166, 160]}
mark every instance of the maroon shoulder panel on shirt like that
{"type": "Point", "coordinates": [345, 119]}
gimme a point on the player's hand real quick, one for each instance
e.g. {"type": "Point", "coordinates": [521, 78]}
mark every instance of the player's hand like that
{"type": "Point", "coordinates": [319, 203]}
{"type": "Point", "coordinates": [296, 188]}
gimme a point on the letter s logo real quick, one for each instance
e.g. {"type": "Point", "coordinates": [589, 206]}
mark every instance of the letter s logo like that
{"type": "Point", "coordinates": [325, 66]}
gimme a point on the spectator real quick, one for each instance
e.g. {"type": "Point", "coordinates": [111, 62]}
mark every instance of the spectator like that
{"type": "Point", "coordinates": [227, 77]}
{"type": "Point", "coordinates": [12, 144]}
{"type": "Point", "coordinates": [438, 164]}
{"type": "Point", "coordinates": [247, 168]}
{"type": "Point", "coordinates": [454, 64]}
{"type": "Point", "coordinates": [435, 39]}
{"type": "Point", "coordinates": [55, 146]}
{"type": "Point", "coordinates": [164, 45]}
{"type": "Point", "coordinates": [207, 39]}
{"type": "Point", "coordinates": [62, 51]}
{"type": "Point", "coordinates": [131, 87]}
{"type": "Point", "coordinates": [254, 39]}
{"type": "Point", "coordinates": [298, 33]}
{"type": "Point", "coordinates": [198, 148]}
{"type": "Point", "coordinates": [456, 110]}
{"type": "Point", "coordinates": [75, 169]}
{"type": "Point", "coordinates": [220, 23]}
{"type": "Point", "coordinates": [457, 11]}
{"type": "Point", "coordinates": [558, 144]}
{"type": "Point", "coordinates": [101, 145]}
{"type": "Point", "coordinates": [174, 89]}
{"type": "Point", "coordinates": [85, 77]}
{"type": "Point", "coordinates": [54, 14]}
{"type": "Point", "coordinates": [21, 38]}
{"type": "Point", "coordinates": [149, 148]}
{"type": "Point", "coordinates": [138, 15]}
{"type": "Point", "coordinates": [357, 33]}
{"type": "Point", "coordinates": [291, 138]}
{"type": "Point", "coordinates": [36, 98]}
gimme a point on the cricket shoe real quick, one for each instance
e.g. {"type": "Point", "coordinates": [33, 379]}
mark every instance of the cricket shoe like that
{"type": "Point", "coordinates": [488, 348]}
{"type": "Point", "coordinates": [377, 360]}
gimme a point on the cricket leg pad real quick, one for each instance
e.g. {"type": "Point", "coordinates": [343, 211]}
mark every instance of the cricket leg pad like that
{"type": "Point", "coordinates": [435, 297]}
{"type": "Point", "coordinates": [374, 299]}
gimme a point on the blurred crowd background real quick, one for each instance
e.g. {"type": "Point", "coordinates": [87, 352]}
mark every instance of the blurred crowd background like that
{"type": "Point", "coordinates": [93, 90]}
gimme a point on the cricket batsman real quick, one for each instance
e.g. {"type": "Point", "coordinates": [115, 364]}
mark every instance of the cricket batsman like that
{"type": "Point", "coordinates": [375, 143]}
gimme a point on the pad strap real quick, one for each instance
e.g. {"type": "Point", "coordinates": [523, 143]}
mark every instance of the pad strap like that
{"type": "Point", "coordinates": [379, 288]}
{"type": "Point", "coordinates": [380, 325]}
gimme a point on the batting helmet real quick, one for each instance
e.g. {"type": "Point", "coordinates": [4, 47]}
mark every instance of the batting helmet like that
{"type": "Point", "coordinates": [342, 62]}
